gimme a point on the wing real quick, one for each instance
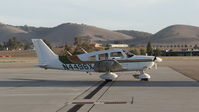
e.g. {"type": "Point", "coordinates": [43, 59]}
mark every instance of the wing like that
{"type": "Point", "coordinates": [108, 66]}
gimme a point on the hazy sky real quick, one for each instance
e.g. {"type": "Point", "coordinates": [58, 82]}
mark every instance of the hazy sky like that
{"type": "Point", "coordinates": [142, 15]}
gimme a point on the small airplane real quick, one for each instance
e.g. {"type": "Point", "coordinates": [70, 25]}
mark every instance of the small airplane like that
{"type": "Point", "coordinates": [106, 61]}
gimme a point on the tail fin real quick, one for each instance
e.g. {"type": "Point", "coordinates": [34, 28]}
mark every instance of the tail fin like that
{"type": "Point", "coordinates": [44, 53]}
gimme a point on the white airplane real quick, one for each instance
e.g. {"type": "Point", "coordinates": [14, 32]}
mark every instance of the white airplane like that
{"type": "Point", "coordinates": [106, 61]}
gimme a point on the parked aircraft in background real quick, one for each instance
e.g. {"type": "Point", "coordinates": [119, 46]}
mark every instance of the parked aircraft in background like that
{"type": "Point", "coordinates": [106, 61]}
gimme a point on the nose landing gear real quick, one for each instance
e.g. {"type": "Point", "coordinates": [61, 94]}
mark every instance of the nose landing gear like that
{"type": "Point", "coordinates": [142, 76]}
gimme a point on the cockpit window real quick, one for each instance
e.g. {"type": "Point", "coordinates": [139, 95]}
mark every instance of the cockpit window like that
{"type": "Point", "coordinates": [129, 54]}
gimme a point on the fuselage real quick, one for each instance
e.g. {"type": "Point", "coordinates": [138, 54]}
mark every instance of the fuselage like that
{"type": "Point", "coordinates": [86, 62]}
{"type": "Point", "coordinates": [89, 67]}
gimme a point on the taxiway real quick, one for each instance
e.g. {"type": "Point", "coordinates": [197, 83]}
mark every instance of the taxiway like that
{"type": "Point", "coordinates": [38, 90]}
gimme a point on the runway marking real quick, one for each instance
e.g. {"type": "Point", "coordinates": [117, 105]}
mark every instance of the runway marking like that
{"type": "Point", "coordinates": [102, 94]}
{"type": "Point", "coordinates": [115, 102]}
{"type": "Point", "coordinates": [80, 104]}
{"type": "Point", "coordinates": [86, 90]}
{"type": "Point", "coordinates": [76, 107]}
{"type": "Point", "coordinates": [52, 94]}
{"type": "Point", "coordinates": [65, 106]}
{"type": "Point", "coordinates": [89, 96]}
{"type": "Point", "coordinates": [99, 102]}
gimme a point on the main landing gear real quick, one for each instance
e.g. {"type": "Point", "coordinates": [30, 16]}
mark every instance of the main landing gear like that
{"type": "Point", "coordinates": [145, 79]}
{"type": "Point", "coordinates": [142, 76]}
{"type": "Point", "coordinates": [109, 76]}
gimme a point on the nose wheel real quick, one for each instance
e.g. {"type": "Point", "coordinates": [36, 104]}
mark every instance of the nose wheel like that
{"type": "Point", "coordinates": [142, 76]}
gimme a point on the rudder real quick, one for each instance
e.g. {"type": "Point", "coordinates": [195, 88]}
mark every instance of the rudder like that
{"type": "Point", "coordinates": [44, 53]}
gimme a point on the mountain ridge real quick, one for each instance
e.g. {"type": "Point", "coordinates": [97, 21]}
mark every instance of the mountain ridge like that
{"type": "Point", "coordinates": [61, 34]}
{"type": "Point", "coordinates": [65, 33]}
{"type": "Point", "coordinates": [177, 34]}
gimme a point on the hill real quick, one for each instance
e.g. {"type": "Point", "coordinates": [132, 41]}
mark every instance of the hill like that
{"type": "Point", "coordinates": [8, 31]}
{"type": "Point", "coordinates": [61, 34]}
{"type": "Point", "coordinates": [139, 37]}
{"type": "Point", "coordinates": [177, 34]}
{"type": "Point", "coordinates": [136, 34]}
{"type": "Point", "coordinates": [65, 33]}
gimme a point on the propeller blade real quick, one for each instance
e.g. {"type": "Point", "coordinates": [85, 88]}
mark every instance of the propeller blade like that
{"type": "Point", "coordinates": [154, 58]}
{"type": "Point", "coordinates": [157, 59]}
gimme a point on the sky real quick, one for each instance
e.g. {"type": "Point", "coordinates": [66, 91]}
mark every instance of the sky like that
{"type": "Point", "coordinates": [142, 15]}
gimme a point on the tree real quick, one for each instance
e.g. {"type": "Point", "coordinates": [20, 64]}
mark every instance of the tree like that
{"type": "Point", "coordinates": [149, 49]}
{"type": "Point", "coordinates": [77, 46]}
{"type": "Point", "coordinates": [142, 51]}
{"type": "Point", "coordinates": [68, 47]}
{"type": "Point", "coordinates": [1, 46]}
{"type": "Point", "coordinates": [118, 42]}
{"type": "Point", "coordinates": [134, 51]}
{"type": "Point", "coordinates": [27, 45]}
{"type": "Point", "coordinates": [195, 46]}
{"type": "Point", "coordinates": [78, 50]}
{"type": "Point", "coordinates": [78, 41]}
{"type": "Point", "coordinates": [106, 46]}
{"type": "Point", "coordinates": [13, 44]}
{"type": "Point", "coordinates": [157, 52]}
{"type": "Point", "coordinates": [86, 44]}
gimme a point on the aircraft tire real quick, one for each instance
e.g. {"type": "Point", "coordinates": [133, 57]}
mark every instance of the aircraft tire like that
{"type": "Point", "coordinates": [108, 80]}
{"type": "Point", "coordinates": [144, 79]}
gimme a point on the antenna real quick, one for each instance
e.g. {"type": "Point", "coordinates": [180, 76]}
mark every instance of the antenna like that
{"type": "Point", "coordinates": [69, 53]}
{"type": "Point", "coordinates": [84, 50]}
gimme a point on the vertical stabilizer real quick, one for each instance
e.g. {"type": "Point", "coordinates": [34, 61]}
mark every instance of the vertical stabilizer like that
{"type": "Point", "coordinates": [44, 53]}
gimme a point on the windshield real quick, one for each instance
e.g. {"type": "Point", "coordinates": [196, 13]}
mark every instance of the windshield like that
{"type": "Point", "coordinates": [129, 54]}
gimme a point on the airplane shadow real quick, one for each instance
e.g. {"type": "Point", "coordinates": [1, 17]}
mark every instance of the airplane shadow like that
{"type": "Point", "coordinates": [21, 82]}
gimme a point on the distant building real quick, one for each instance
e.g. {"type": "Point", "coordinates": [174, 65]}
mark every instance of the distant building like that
{"type": "Point", "coordinates": [118, 45]}
{"type": "Point", "coordinates": [98, 45]}
{"type": "Point", "coordinates": [181, 53]}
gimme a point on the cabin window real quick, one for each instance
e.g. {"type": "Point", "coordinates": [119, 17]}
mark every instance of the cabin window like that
{"type": "Point", "coordinates": [103, 56]}
{"type": "Point", "coordinates": [117, 54]}
{"type": "Point", "coordinates": [92, 58]}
